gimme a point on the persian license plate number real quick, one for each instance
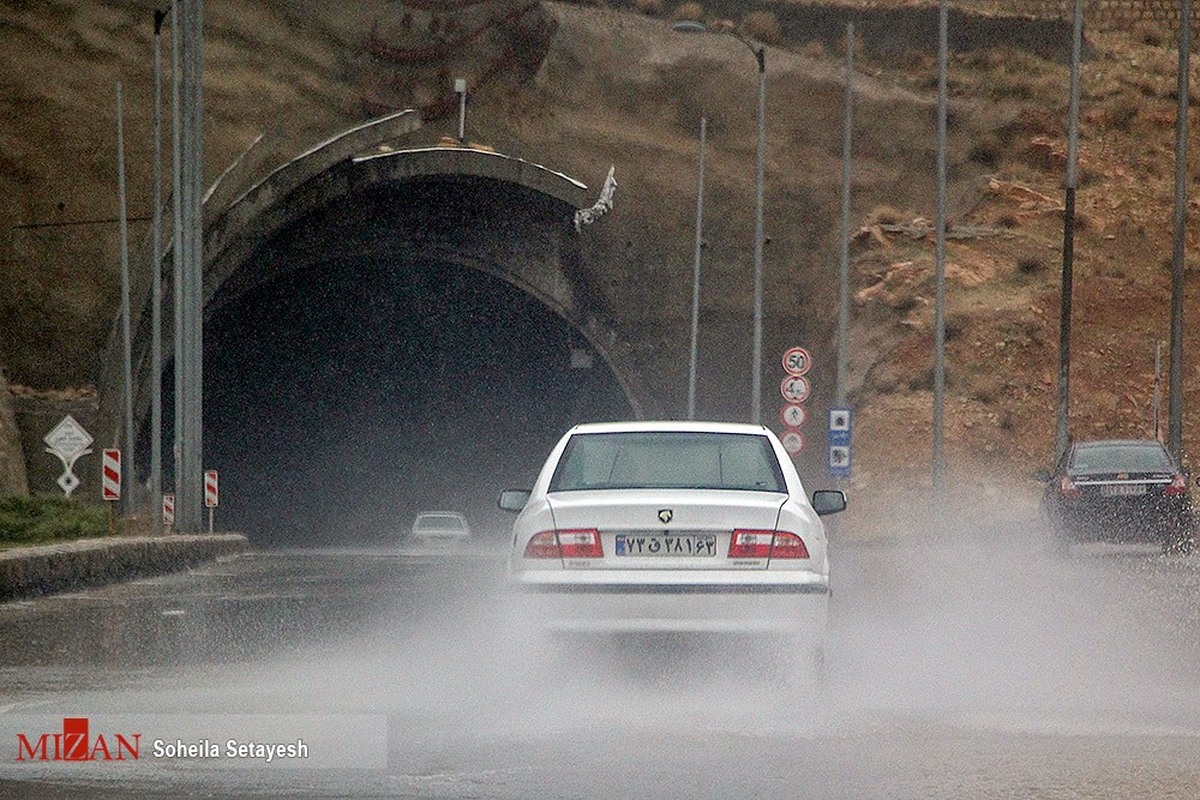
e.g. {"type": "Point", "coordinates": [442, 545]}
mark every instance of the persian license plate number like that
{"type": "Point", "coordinates": [1123, 489]}
{"type": "Point", "coordinates": [684, 545]}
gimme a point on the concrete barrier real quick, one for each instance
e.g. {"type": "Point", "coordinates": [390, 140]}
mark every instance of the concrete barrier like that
{"type": "Point", "coordinates": [33, 571]}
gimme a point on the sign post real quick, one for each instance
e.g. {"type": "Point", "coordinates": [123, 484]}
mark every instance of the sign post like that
{"type": "Point", "coordinates": [840, 421]}
{"type": "Point", "coordinates": [211, 494]}
{"type": "Point", "coordinates": [792, 441]}
{"type": "Point", "coordinates": [795, 389]}
{"type": "Point", "coordinates": [797, 361]}
{"type": "Point", "coordinates": [110, 483]}
{"type": "Point", "coordinates": [110, 474]}
{"type": "Point", "coordinates": [68, 441]}
{"type": "Point", "coordinates": [168, 511]}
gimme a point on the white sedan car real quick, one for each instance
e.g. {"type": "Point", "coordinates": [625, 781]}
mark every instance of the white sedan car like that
{"type": "Point", "coordinates": [440, 528]}
{"type": "Point", "coordinates": [672, 527]}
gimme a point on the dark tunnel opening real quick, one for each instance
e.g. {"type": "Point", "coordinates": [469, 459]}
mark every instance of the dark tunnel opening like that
{"type": "Point", "coordinates": [343, 399]}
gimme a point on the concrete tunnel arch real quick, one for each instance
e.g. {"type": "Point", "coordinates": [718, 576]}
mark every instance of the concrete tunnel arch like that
{"type": "Point", "coordinates": [343, 182]}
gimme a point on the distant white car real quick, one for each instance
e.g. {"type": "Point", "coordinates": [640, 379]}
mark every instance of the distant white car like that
{"type": "Point", "coordinates": [672, 527]}
{"type": "Point", "coordinates": [433, 528]}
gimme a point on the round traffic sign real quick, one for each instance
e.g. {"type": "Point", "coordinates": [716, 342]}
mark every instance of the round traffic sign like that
{"type": "Point", "coordinates": [793, 441]}
{"type": "Point", "coordinates": [793, 415]}
{"type": "Point", "coordinates": [795, 388]}
{"type": "Point", "coordinates": [796, 361]}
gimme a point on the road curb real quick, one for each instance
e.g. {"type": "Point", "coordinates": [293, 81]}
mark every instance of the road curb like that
{"type": "Point", "coordinates": [33, 571]}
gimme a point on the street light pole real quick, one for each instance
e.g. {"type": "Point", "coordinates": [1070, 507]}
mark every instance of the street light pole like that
{"type": "Point", "coordinates": [760, 57]}
{"type": "Point", "coordinates": [939, 312]}
{"type": "Point", "coordinates": [156, 291]}
{"type": "Point", "coordinates": [843, 351]}
{"type": "Point", "coordinates": [1178, 263]}
{"type": "Point", "coordinates": [1066, 293]}
{"type": "Point", "coordinates": [691, 412]}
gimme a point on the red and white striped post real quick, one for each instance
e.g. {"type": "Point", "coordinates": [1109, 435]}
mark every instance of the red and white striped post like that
{"type": "Point", "coordinates": [110, 483]}
{"type": "Point", "coordinates": [211, 494]}
{"type": "Point", "coordinates": [110, 469]}
{"type": "Point", "coordinates": [168, 511]}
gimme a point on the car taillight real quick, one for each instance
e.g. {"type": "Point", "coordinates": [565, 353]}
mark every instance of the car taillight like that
{"type": "Point", "coordinates": [580, 544]}
{"type": "Point", "coordinates": [565, 544]}
{"type": "Point", "coordinates": [751, 544]}
{"type": "Point", "coordinates": [543, 545]}
{"type": "Point", "coordinates": [788, 545]}
{"type": "Point", "coordinates": [766, 544]}
{"type": "Point", "coordinates": [1067, 488]}
{"type": "Point", "coordinates": [1177, 486]}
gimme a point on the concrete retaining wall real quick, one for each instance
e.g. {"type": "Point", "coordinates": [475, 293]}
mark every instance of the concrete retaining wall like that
{"type": "Point", "coordinates": [13, 479]}
{"type": "Point", "coordinates": [33, 571]}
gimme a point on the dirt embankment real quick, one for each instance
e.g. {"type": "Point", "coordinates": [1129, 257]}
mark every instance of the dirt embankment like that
{"type": "Point", "coordinates": [616, 88]}
{"type": "Point", "coordinates": [13, 480]}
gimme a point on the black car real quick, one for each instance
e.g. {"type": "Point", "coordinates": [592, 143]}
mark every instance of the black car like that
{"type": "Point", "coordinates": [1128, 490]}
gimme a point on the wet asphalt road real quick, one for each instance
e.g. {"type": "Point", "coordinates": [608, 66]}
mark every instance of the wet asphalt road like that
{"type": "Point", "coordinates": [971, 668]}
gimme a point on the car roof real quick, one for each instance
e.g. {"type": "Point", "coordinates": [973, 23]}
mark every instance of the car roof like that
{"type": "Point", "coordinates": [683, 426]}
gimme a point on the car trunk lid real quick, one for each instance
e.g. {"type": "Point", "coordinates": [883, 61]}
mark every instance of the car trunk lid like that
{"type": "Point", "coordinates": [675, 529]}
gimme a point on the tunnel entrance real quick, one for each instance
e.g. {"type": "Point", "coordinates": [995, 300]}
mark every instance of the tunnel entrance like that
{"type": "Point", "coordinates": [374, 359]}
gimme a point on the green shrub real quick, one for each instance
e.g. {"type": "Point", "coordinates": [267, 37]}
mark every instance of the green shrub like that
{"type": "Point", "coordinates": [43, 519]}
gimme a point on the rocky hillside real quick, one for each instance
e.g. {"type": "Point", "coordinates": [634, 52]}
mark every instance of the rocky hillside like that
{"type": "Point", "coordinates": [617, 85]}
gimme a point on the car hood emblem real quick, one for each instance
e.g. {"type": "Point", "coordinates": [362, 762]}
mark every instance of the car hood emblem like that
{"type": "Point", "coordinates": [665, 515]}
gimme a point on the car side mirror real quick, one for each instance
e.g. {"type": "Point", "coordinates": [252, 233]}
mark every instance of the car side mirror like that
{"type": "Point", "coordinates": [1042, 475]}
{"type": "Point", "coordinates": [514, 499]}
{"type": "Point", "coordinates": [828, 501]}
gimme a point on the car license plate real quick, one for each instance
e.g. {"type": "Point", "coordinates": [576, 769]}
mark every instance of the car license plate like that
{"type": "Point", "coordinates": [1123, 489]}
{"type": "Point", "coordinates": [701, 545]}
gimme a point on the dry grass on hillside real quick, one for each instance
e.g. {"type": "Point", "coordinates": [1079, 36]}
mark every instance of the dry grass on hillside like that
{"type": "Point", "coordinates": [1003, 281]}
{"type": "Point", "coordinates": [1003, 290]}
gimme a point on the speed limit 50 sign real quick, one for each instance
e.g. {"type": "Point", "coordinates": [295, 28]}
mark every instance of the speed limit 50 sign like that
{"type": "Point", "coordinates": [796, 361]}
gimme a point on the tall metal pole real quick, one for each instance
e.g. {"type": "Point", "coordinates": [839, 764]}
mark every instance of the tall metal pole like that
{"type": "Point", "coordinates": [177, 246]}
{"type": "Point", "coordinates": [691, 411]}
{"type": "Point", "coordinates": [129, 501]}
{"type": "Point", "coordinates": [1068, 267]}
{"type": "Point", "coordinates": [939, 324]}
{"type": "Point", "coordinates": [156, 292]}
{"type": "Point", "coordinates": [1175, 422]}
{"type": "Point", "coordinates": [756, 381]}
{"type": "Point", "coordinates": [843, 348]}
{"type": "Point", "coordinates": [760, 56]}
{"type": "Point", "coordinates": [195, 299]}
{"type": "Point", "coordinates": [1158, 390]}
{"type": "Point", "coordinates": [189, 345]}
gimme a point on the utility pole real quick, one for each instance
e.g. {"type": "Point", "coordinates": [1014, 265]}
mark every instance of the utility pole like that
{"type": "Point", "coordinates": [843, 349]}
{"type": "Point", "coordinates": [756, 378]}
{"type": "Point", "coordinates": [156, 292]}
{"type": "Point", "coordinates": [691, 410]}
{"type": "Point", "coordinates": [188, 17]}
{"type": "Point", "coordinates": [1068, 251]}
{"type": "Point", "coordinates": [1175, 422]}
{"type": "Point", "coordinates": [939, 314]}
{"type": "Point", "coordinates": [129, 501]}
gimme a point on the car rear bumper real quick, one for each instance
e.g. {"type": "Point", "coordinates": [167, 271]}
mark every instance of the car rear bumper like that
{"type": "Point", "coordinates": [1144, 521]}
{"type": "Point", "coordinates": [795, 604]}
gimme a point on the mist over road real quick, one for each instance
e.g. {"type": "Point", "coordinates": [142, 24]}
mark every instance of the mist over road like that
{"type": "Point", "coordinates": [959, 666]}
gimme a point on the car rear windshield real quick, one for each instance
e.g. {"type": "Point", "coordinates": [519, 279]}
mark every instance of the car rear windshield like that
{"type": "Point", "coordinates": [1121, 458]}
{"type": "Point", "coordinates": [440, 522]}
{"type": "Point", "coordinates": [668, 460]}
